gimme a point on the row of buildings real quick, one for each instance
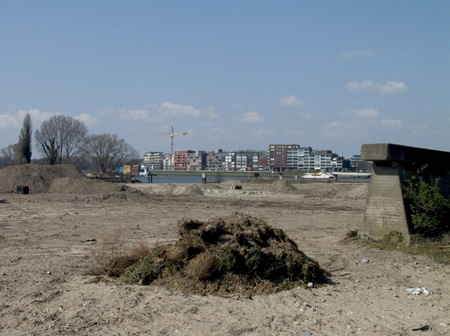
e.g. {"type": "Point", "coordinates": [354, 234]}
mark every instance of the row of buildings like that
{"type": "Point", "coordinates": [278, 158]}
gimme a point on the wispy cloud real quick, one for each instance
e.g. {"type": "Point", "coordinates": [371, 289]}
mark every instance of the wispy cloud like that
{"type": "Point", "coordinates": [140, 114]}
{"type": "Point", "coordinates": [366, 113]}
{"type": "Point", "coordinates": [219, 133]}
{"type": "Point", "coordinates": [424, 130]}
{"type": "Point", "coordinates": [305, 115]}
{"type": "Point", "coordinates": [293, 134]}
{"type": "Point", "coordinates": [176, 110]}
{"type": "Point", "coordinates": [334, 124]}
{"type": "Point", "coordinates": [88, 119]}
{"type": "Point", "coordinates": [392, 122]}
{"type": "Point", "coordinates": [350, 54]}
{"type": "Point", "coordinates": [36, 115]}
{"type": "Point", "coordinates": [211, 113]}
{"type": "Point", "coordinates": [291, 101]}
{"type": "Point", "coordinates": [355, 128]}
{"type": "Point", "coordinates": [16, 120]}
{"type": "Point", "coordinates": [216, 133]}
{"type": "Point", "coordinates": [252, 117]}
{"type": "Point", "coordinates": [390, 88]}
{"type": "Point", "coordinates": [7, 121]}
{"type": "Point", "coordinates": [263, 132]}
{"type": "Point", "coordinates": [166, 110]}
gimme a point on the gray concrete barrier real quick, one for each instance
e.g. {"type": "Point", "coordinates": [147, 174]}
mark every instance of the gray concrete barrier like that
{"type": "Point", "coordinates": [386, 210]}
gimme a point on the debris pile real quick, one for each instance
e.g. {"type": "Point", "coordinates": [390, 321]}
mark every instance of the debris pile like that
{"type": "Point", "coordinates": [234, 254]}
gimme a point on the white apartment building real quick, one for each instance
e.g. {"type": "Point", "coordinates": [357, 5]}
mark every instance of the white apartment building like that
{"type": "Point", "coordinates": [302, 158]}
{"type": "Point", "coordinates": [235, 161]}
{"type": "Point", "coordinates": [153, 160]}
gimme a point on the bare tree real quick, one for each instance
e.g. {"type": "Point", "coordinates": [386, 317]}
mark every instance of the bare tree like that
{"type": "Point", "coordinates": [107, 151]}
{"type": "Point", "coordinates": [60, 138]}
{"type": "Point", "coordinates": [50, 149]}
{"type": "Point", "coordinates": [10, 155]}
{"type": "Point", "coordinates": [73, 133]}
{"type": "Point", "coordinates": [25, 140]}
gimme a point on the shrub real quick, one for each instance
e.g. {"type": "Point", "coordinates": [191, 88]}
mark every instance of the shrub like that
{"type": "Point", "coordinates": [430, 210]}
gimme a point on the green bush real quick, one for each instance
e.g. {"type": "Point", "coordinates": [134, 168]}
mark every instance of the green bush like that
{"type": "Point", "coordinates": [430, 211]}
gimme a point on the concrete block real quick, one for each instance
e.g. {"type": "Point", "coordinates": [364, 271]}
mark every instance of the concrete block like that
{"type": "Point", "coordinates": [392, 166]}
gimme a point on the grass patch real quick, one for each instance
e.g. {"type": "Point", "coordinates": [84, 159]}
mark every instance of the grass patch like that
{"type": "Point", "coordinates": [437, 249]}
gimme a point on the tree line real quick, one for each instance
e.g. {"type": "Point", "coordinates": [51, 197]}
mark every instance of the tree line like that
{"type": "Point", "coordinates": [65, 140]}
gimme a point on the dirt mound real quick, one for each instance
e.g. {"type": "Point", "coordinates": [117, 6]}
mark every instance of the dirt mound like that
{"type": "Point", "coordinates": [280, 186]}
{"type": "Point", "coordinates": [190, 189]}
{"type": "Point", "coordinates": [358, 191]}
{"type": "Point", "coordinates": [67, 185]}
{"type": "Point", "coordinates": [235, 254]}
{"type": "Point", "coordinates": [176, 189]}
{"type": "Point", "coordinates": [37, 177]}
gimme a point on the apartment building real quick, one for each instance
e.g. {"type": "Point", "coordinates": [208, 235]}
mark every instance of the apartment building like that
{"type": "Point", "coordinates": [181, 159]}
{"type": "Point", "coordinates": [337, 163]}
{"type": "Point", "coordinates": [215, 160]}
{"type": "Point", "coordinates": [241, 161]}
{"type": "Point", "coordinates": [197, 160]}
{"type": "Point", "coordinates": [167, 162]}
{"type": "Point", "coordinates": [281, 157]}
{"type": "Point", "coordinates": [153, 160]}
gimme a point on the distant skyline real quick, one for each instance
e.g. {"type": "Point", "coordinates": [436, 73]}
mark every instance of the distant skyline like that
{"type": "Point", "coordinates": [232, 74]}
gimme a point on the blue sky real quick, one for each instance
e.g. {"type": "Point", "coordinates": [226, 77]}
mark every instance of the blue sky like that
{"type": "Point", "coordinates": [233, 74]}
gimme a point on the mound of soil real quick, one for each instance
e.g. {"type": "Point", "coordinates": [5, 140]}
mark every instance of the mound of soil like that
{"type": "Point", "coordinates": [234, 254]}
{"type": "Point", "coordinates": [357, 192]}
{"type": "Point", "coordinates": [39, 178]}
{"type": "Point", "coordinates": [67, 185]}
{"type": "Point", "coordinates": [280, 186]}
{"type": "Point", "coordinates": [176, 189]}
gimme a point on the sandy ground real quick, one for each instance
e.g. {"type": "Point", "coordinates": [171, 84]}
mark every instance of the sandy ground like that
{"type": "Point", "coordinates": [45, 241]}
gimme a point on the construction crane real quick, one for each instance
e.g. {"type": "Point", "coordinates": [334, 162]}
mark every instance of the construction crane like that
{"type": "Point", "coordinates": [171, 138]}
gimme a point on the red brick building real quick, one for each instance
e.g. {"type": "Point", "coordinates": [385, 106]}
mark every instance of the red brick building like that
{"type": "Point", "coordinates": [181, 159]}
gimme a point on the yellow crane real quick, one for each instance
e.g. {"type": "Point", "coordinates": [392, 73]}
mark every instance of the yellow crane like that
{"type": "Point", "coordinates": [171, 137]}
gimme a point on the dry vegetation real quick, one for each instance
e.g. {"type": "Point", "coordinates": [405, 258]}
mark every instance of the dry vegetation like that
{"type": "Point", "coordinates": [112, 256]}
{"type": "Point", "coordinates": [234, 254]}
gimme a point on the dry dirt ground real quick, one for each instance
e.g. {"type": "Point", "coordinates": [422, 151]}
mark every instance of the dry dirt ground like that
{"type": "Point", "coordinates": [45, 241]}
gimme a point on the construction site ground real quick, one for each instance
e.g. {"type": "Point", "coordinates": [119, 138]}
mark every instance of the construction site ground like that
{"type": "Point", "coordinates": [45, 242]}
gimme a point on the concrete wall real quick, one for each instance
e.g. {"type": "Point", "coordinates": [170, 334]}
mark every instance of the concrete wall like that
{"type": "Point", "coordinates": [386, 210]}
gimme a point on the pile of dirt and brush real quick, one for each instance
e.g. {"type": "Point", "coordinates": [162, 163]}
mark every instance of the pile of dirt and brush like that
{"type": "Point", "coordinates": [63, 179]}
{"type": "Point", "coordinates": [235, 254]}
{"type": "Point", "coordinates": [280, 186]}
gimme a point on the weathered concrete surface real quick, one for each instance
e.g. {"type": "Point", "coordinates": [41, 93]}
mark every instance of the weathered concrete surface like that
{"type": "Point", "coordinates": [392, 164]}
